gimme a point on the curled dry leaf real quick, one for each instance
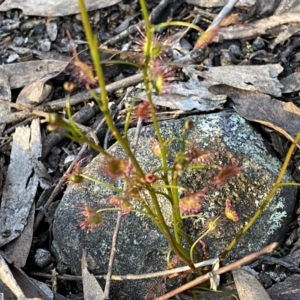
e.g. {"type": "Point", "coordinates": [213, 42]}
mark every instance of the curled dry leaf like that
{"type": "Point", "coordinates": [36, 92]}
{"type": "Point", "coordinates": [256, 28]}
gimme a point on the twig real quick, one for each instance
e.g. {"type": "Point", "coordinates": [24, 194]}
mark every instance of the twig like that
{"type": "Point", "coordinates": [130, 30]}
{"type": "Point", "coordinates": [61, 103]}
{"type": "Point", "coordinates": [132, 276]}
{"type": "Point", "coordinates": [112, 256]}
{"type": "Point", "coordinates": [134, 28]}
{"type": "Point", "coordinates": [235, 265]}
{"type": "Point", "coordinates": [222, 14]}
{"type": "Point", "coordinates": [118, 223]}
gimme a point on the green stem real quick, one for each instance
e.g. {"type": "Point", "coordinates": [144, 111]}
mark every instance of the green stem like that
{"type": "Point", "coordinates": [149, 31]}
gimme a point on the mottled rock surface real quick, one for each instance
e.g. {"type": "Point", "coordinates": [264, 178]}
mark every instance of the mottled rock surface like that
{"type": "Point", "coordinates": [287, 290]}
{"type": "Point", "coordinates": [141, 248]}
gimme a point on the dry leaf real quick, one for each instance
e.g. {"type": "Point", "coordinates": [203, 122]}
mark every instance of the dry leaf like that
{"type": "Point", "coordinates": [256, 28]}
{"type": "Point", "coordinates": [91, 288]}
{"type": "Point", "coordinates": [8, 279]}
{"type": "Point", "coordinates": [19, 282]}
{"type": "Point", "coordinates": [248, 286]}
{"type": "Point", "coordinates": [53, 8]}
{"type": "Point", "coordinates": [36, 92]}
{"type": "Point", "coordinates": [252, 78]}
{"type": "Point", "coordinates": [5, 94]}
{"type": "Point", "coordinates": [253, 106]}
{"type": "Point", "coordinates": [186, 96]}
{"type": "Point", "coordinates": [219, 3]}
{"type": "Point", "coordinates": [23, 73]}
{"type": "Point", "coordinates": [263, 8]}
{"type": "Point", "coordinates": [288, 6]}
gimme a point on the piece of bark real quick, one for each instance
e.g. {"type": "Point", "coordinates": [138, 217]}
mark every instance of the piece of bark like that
{"type": "Point", "coordinates": [5, 94]}
{"type": "Point", "coordinates": [18, 249]}
{"type": "Point", "coordinates": [20, 183]}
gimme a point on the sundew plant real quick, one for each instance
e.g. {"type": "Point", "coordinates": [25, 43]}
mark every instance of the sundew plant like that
{"type": "Point", "coordinates": [136, 180]}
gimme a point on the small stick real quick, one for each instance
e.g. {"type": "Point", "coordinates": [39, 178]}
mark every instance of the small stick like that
{"type": "Point", "coordinates": [133, 276]}
{"type": "Point", "coordinates": [134, 28]}
{"type": "Point", "coordinates": [61, 103]}
{"type": "Point", "coordinates": [112, 255]}
{"type": "Point", "coordinates": [235, 265]}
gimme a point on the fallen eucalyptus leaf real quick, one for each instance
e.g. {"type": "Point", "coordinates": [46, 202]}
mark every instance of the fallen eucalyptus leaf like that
{"type": "Point", "coordinates": [91, 288]}
{"type": "Point", "coordinates": [5, 94]}
{"type": "Point", "coordinates": [219, 3]}
{"type": "Point", "coordinates": [36, 92]}
{"type": "Point", "coordinates": [53, 8]}
{"type": "Point", "coordinates": [254, 106]}
{"type": "Point", "coordinates": [21, 74]}
{"type": "Point", "coordinates": [251, 78]}
{"type": "Point", "coordinates": [248, 286]}
{"type": "Point", "coordinates": [18, 249]}
{"type": "Point", "coordinates": [8, 279]}
{"type": "Point", "coordinates": [263, 8]}
{"type": "Point", "coordinates": [288, 6]}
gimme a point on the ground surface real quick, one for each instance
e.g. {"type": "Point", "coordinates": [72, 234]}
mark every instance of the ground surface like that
{"type": "Point", "coordinates": [32, 47]}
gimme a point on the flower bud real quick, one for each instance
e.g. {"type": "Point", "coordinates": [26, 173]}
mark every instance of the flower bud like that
{"type": "Point", "coordinates": [75, 178]}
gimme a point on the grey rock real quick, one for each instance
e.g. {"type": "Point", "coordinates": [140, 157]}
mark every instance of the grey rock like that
{"type": "Point", "coordinates": [12, 57]}
{"type": "Point", "coordinates": [51, 28]}
{"type": "Point", "coordinates": [287, 290]}
{"type": "Point", "coordinates": [18, 41]}
{"type": "Point", "coordinates": [141, 248]}
{"type": "Point", "coordinates": [45, 45]}
{"type": "Point", "coordinates": [42, 257]}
